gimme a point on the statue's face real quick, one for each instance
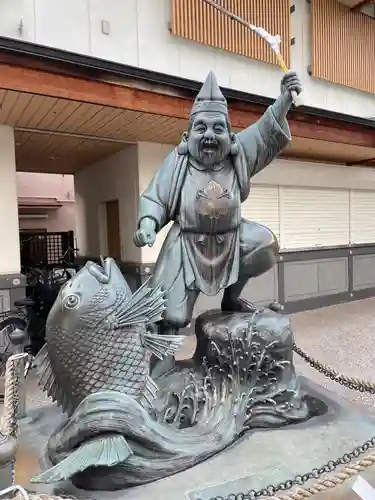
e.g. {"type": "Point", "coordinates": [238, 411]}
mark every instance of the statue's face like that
{"type": "Point", "coordinates": [209, 139]}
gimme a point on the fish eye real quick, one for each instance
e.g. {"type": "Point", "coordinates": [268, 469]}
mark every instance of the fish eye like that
{"type": "Point", "coordinates": [72, 301]}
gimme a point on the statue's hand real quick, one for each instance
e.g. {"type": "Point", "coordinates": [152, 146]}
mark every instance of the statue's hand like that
{"type": "Point", "coordinates": [290, 82]}
{"type": "Point", "coordinates": [146, 234]}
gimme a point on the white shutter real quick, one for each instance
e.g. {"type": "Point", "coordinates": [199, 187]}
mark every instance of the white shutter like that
{"type": "Point", "coordinates": [313, 217]}
{"type": "Point", "coordinates": [362, 216]}
{"type": "Point", "coordinates": [262, 206]}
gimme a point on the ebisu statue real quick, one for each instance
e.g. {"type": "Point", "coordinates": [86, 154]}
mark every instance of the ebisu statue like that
{"type": "Point", "coordinates": [127, 424]}
{"type": "Point", "coordinates": [200, 187]}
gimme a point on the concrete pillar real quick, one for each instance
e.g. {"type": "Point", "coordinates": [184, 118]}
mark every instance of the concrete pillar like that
{"type": "Point", "coordinates": [12, 283]}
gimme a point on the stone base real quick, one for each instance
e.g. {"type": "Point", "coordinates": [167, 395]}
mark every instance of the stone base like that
{"type": "Point", "coordinates": [258, 459]}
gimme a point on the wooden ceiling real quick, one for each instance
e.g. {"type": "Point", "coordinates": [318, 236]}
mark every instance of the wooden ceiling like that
{"type": "Point", "coordinates": [58, 135]}
{"type": "Point", "coordinates": [61, 135]}
{"type": "Point", "coordinates": [50, 153]}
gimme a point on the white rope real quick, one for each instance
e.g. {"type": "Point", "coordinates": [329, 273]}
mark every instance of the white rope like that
{"type": "Point", "coordinates": [17, 488]}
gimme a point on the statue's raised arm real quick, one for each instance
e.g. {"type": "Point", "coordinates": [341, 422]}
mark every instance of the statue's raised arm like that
{"type": "Point", "coordinates": [265, 139]}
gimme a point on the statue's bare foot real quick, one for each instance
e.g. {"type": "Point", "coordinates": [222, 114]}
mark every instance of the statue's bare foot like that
{"type": "Point", "coordinates": [238, 305]}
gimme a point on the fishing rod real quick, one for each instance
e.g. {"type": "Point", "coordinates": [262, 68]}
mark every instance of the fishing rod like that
{"type": "Point", "coordinates": [272, 41]}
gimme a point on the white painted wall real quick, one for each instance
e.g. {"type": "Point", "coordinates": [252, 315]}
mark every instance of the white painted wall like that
{"type": "Point", "coordinates": [36, 186]}
{"type": "Point", "coordinates": [114, 178]}
{"type": "Point", "coordinates": [139, 36]}
{"type": "Point", "coordinates": [56, 220]}
{"type": "Point", "coordinates": [10, 247]}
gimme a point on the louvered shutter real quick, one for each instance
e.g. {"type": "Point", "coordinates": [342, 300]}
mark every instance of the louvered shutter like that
{"type": "Point", "coordinates": [362, 216]}
{"type": "Point", "coordinates": [262, 206]}
{"type": "Point", "coordinates": [313, 217]}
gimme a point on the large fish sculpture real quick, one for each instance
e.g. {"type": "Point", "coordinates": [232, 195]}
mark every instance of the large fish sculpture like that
{"type": "Point", "coordinates": [97, 340]}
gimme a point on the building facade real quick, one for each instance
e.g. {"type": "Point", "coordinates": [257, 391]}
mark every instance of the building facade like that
{"type": "Point", "coordinates": [102, 90]}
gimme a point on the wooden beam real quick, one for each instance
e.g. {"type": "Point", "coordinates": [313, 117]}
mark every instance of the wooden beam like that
{"type": "Point", "coordinates": [33, 81]}
{"type": "Point", "coordinates": [368, 161]}
{"type": "Point", "coordinates": [78, 89]}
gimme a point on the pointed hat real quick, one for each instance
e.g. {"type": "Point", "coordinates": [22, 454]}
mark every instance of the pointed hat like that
{"type": "Point", "coordinates": [210, 97]}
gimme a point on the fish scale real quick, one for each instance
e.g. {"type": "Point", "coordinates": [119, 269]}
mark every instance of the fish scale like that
{"type": "Point", "coordinates": [121, 364]}
{"type": "Point", "coordinates": [101, 343]}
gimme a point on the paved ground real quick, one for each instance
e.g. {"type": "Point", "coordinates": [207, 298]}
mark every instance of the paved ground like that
{"type": "Point", "coordinates": [342, 336]}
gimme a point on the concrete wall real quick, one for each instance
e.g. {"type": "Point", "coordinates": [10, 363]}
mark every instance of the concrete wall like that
{"type": "Point", "coordinates": [12, 283]}
{"type": "Point", "coordinates": [37, 186]}
{"type": "Point", "coordinates": [139, 36]}
{"type": "Point", "coordinates": [115, 178]}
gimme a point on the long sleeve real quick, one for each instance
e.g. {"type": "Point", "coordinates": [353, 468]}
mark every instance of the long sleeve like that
{"type": "Point", "coordinates": [263, 141]}
{"type": "Point", "coordinates": [153, 203]}
{"type": "Point", "coordinates": [160, 200]}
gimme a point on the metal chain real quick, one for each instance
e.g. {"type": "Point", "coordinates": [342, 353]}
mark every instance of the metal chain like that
{"type": "Point", "coordinates": [300, 480]}
{"type": "Point", "coordinates": [350, 382]}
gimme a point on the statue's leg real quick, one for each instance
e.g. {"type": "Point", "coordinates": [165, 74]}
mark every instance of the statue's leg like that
{"type": "Point", "coordinates": [258, 254]}
{"type": "Point", "coordinates": [169, 273]}
{"type": "Point", "coordinates": [178, 314]}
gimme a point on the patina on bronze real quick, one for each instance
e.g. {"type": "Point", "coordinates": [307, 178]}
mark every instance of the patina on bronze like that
{"type": "Point", "coordinates": [200, 187]}
{"type": "Point", "coordinates": [127, 426]}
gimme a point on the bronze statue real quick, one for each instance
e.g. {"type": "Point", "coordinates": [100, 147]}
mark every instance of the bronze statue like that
{"type": "Point", "coordinates": [129, 424]}
{"type": "Point", "coordinates": [200, 187]}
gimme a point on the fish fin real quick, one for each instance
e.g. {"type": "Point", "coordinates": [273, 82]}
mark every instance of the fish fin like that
{"type": "Point", "coordinates": [163, 345]}
{"type": "Point", "coordinates": [145, 306]}
{"type": "Point", "coordinates": [47, 381]}
{"type": "Point", "coordinates": [151, 391]}
{"type": "Point", "coordinates": [107, 450]}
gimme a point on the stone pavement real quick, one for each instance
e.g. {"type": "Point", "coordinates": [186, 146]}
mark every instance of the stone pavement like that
{"type": "Point", "coordinates": [342, 336]}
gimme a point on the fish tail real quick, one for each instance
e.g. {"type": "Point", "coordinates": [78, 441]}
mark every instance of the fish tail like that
{"type": "Point", "coordinates": [108, 450]}
{"type": "Point", "coordinates": [145, 306]}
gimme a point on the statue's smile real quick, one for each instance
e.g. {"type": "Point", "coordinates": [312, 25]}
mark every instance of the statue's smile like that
{"type": "Point", "coordinates": [209, 146]}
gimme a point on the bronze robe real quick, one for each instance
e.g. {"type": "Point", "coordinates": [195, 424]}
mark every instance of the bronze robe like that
{"type": "Point", "coordinates": [181, 265]}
